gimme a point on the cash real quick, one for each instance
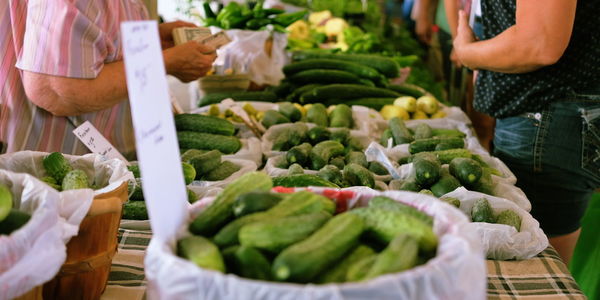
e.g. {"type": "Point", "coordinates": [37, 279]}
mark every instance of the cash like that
{"type": "Point", "coordinates": [182, 35]}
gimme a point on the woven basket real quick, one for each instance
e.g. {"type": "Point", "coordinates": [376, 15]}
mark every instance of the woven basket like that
{"type": "Point", "coordinates": [34, 294]}
{"type": "Point", "coordinates": [89, 254]}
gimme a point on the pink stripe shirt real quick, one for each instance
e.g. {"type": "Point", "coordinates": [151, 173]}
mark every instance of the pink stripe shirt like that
{"type": "Point", "coordinates": [69, 38]}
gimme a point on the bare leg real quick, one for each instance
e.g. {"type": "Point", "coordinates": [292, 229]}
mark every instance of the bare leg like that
{"type": "Point", "coordinates": [565, 245]}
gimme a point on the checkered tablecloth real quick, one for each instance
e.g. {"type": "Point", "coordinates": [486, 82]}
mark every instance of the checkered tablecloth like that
{"type": "Point", "coordinates": [542, 277]}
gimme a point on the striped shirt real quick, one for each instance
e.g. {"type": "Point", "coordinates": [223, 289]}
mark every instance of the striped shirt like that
{"type": "Point", "coordinates": [68, 38]}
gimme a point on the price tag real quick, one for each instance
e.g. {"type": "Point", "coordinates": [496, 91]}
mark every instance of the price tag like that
{"type": "Point", "coordinates": [95, 141]}
{"type": "Point", "coordinates": [156, 140]}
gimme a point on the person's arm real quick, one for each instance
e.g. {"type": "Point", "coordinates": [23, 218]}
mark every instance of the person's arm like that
{"type": "Point", "coordinates": [539, 38]}
{"type": "Point", "coordinates": [424, 20]}
{"type": "Point", "coordinates": [452, 15]}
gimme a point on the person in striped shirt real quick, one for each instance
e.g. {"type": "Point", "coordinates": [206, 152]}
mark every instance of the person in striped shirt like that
{"type": "Point", "coordinates": [62, 65]}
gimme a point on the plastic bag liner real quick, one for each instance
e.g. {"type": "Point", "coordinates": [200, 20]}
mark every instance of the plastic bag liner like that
{"type": "Point", "coordinates": [457, 272]}
{"type": "Point", "coordinates": [247, 53]}
{"type": "Point", "coordinates": [251, 150]}
{"type": "Point", "coordinates": [246, 167]}
{"type": "Point", "coordinates": [501, 241]}
{"type": "Point", "coordinates": [34, 253]}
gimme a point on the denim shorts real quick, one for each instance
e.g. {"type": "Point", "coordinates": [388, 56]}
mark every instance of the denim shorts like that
{"type": "Point", "coordinates": [555, 155]}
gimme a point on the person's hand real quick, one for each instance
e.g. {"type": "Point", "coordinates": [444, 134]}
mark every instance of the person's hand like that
{"type": "Point", "coordinates": [454, 58]}
{"type": "Point", "coordinates": [424, 29]}
{"type": "Point", "coordinates": [464, 37]}
{"type": "Point", "coordinates": [189, 61]}
{"type": "Point", "coordinates": [165, 30]}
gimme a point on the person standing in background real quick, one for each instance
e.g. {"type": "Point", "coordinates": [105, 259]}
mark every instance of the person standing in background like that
{"type": "Point", "coordinates": [539, 75]}
{"type": "Point", "coordinates": [62, 65]}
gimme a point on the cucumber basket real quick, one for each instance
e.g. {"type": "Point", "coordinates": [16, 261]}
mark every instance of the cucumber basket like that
{"type": "Point", "coordinates": [253, 241]}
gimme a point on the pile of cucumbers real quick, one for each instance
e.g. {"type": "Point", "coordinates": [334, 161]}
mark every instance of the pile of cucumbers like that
{"type": "Point", "coordinates": [336, 116]}
{"type": "Point", "coordinates": [61, 175]}
{"type": "Point", "coordinates": [200, 132]}
{"type": "Point", "coordinates": [482, 212]}
{"type": "Point", "coordinates": [11, 218]}
{"type": "Point", "coordinates": [298, 237]}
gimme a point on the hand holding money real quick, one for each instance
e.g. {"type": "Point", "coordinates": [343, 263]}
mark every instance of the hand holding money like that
{"type": "Point", "coordinates": [189, 61]}
{"type": "Point", "coordinates": [166, 31]}
{"type": "Point", "coordinates": [201, 35]}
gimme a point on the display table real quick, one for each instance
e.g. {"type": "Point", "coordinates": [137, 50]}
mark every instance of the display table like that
{"type": "Point", "coordinates": [542, 277]}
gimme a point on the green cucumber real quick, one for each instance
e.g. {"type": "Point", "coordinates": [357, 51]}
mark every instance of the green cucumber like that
{"type": "Point", "coordinates": [321, 153]}
{"type": "Point", "coordinates": [222, 172]}
{"type": "Point", "coordinates": [318, 134]}
{"type": "Point", "coordinates": [340, 93]}
{"type": "Point", "coordinates": [393, 205]}
{"type": "Point", "coordinates": [75, 179]}
{"type": "Point", "coordinates": [509, 217]}
{"type": "Point", "coordinates": [135, 210]}
{"type": "Point", "coordinates": [290, 111]}
{"type": "Point", "coordinates": [273, 117]}
{"type": "Point", "coordinates": [357, 175]}
{"type": "Point", "coordinates": [14, 220]}
{"type": "Point", "coordinates": [207, 141]}
{"type": "Point", "coordinates": [385, 137]}
{"type": "Point", "coordinates": [254, 202]}
{"type": "Point", "coordinates": [383, 65]}
{"type": "Point", "coordinates": [425, 145]}
{"type": "Point", "coordinates": [341, 116]}
{"type": "Point", "coordinates": [340, 135]}
{"type": "Point", "coordinates": [332, 64]}
{"type": "Point", "coordinates": [482, 211]}
{"type": "Point", "coordinates": [400, 132]}
{"type": "Point", "coordinates": [6, 201]}
{"type": "Point", "coordinates": [289, 136]}
{"type": "Point", "coordinates": [295, 169]}
{"type": "Point", "coordinates": [324, 76]}
{"type": "Point", "coordinates": [408, 89]}
{"type": "Point", "coordinates": [332, 174]}
{"type": "Point", "coordinates": [202, 123]}
{"type": "Point", "coordinates": [423, 131]}
{"type": "Point", "coordinates": [485, 184]}
{"type": "Point", "coordinates": [355, 157]}
{"type": "Point", "coordinates": [427, 171]}
{"type": "Point", "coordinates": [378, 169]}
{"type": "Point", "coordinates": [338, 272]}
{"type": "Point", "coordinates": [189, 172]}
{"type": "Point", "coordinates": [299, 154]}
{"type": "Point", "coordinates": [56, 166]}
{"type": "Point", "coordinates": [466, 170]}
{"type": "Point", "coordinates": [205, 163]}
{"type": "Point", "coordinates": [401, 254]}
{"type": "Point", "coordinates": [262, 96]}
{"type": "Point", "coordinates": [317, 114]}
{"type": "Point", "coordinates": [410, 185]}
{"type": "Point", "coordinates": [359, 269]}
{"type": "Point", "coordinates": [452, 201]}
{"type": "Point", "coordinates": [302, 180]}
{"type": "Point", "coordinates": [440, 132]}
{"type": "Point", "coordinates": [202, 252]}
{"type": "Point", "coordinates": [185, 157]}
{"type": "Point", "coordinates": [446, 184]}
{"type": "Point", "coordinates": [295, 95]}
{"type": "Point", "coordinates": [247, 262]}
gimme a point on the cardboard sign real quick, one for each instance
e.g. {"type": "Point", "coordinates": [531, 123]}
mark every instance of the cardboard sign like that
{"type": "Point", "coordinates": [96, 142]}
{"type": "Point", "coordinates": [156, 139]}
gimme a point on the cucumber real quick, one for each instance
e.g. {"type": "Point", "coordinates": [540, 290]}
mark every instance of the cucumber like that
{"type": "Point", "coordinates": [366, 82]}
{"type": "Point", "coordinates": [295, 169]}
{"type": "Point", "coordinates": [338, 272]}
{"type": "Point", "coordinates": [273, 117]}
{"type": "Point", "coordinates": [452, 201]}
{"type": "Point", "coordinates": [75, 179]}
{"type": "Point", "coordinates": [324, 76]}
{"type": "Point", "coordinates": [254, 202]}
{"type": "Point", "coordinates": [439, 132]}
{"type": "Point", "coordinates": [6, 201]}
{"type": "Point", "coordinates": [466, 170]}
{"type": "Point", "coordinates": [290, 136]}
{"type": "Point", "coordinates": [290, 111]}
{"type": "Point", "coordinates": [340, 135]}
{"type": "Point", "coordinates": [444, 146]}
{"type": "Point", "coordinates": [135, 210]}
{"type": "Point", "coordinates": [485, 184]}
{"type": "Point", "coordinates": [339, 162]}
{"type": "Point", "coordinates": [274, 235]}
{"type": "Point", "coordinates": [354, 68]}
{"type": "Point", "coordinates": [401, 254]}
{"type": "Point", "coordinates": [138, 193]}
{"type": "Point", "coordinates": [378, 169]}
{"type": "Point", "coordinates": [510, 218]}
{"type": "Point", "coordinates": [283, 89]}
{"type": "Point", "coordinates": [446, 184]}
{"type": "Point", "coordinates": [339, 93]}
{"type": "Point", "coordinates": [302, 180]}
{"type": "Point", "coordinates": [318, 134]}
{"type": "Point", "coordinates": [384, 225]}
{"type": "Point", "coordinates": [386, 136]}
{"type": "Point", "coordinates": [205, 163]}
{"type": "Point", "coordinates": [341, 116]}
{"type": "Point", "coordinates": [383, 65]}
{"type": "Point", "coordinates": [299, 154]}
{"type": "Point", "coordinates": [332, 174]}
{"type": "Point", "coordinates": [14, 220]}
{"type": "Point", "coordinates": [357, 175]}
{"type": "Point", "coordinates": [482, 211]}
{"type": "Point", "coordinates": [423, 131]}
{"type": "Point", "coordinates": [425, 145]}
{"type": "Point", "coordinates": [191, 195]}
{"type": "Point", "coordinates": [427, 171]}
{"type": "Point", "coordinates": [133, 168]}
{"type": "Point", "coordinates": [202, 123]}
{"type": "Point", "coordinates": [294, 204]}
{"type": "Point", "coordinates": [400, 132]}
{"type": "Point", "coordinates": [375, 103]}
{"type": "Point", "coordinates": [189, 172]}
{"type": "Point", "coordinates": [426, 192]}
{"type": "Point", "coordinates": [395, 184]}
{"type": "Point", "coordinates": [408, 89]}
{"type": "Point", "coordinates": [317, 114]}
{"type": "Point", "coordinates": [359, 270]}
{"type": "Point", "coordinates": [185, 157]}
{"type": "Point", "coordinates": [220, 211]}
{"type": "Point", "coordinates": [295, 95]}
{"type": "Point", "coordinates": [303, 261]}
{"type": "Point", "coordinates": [56, 166]}
{"type": "Point", "coordinates": [410, 185]}
{"type": "Point", "coordinates": [207, 141]}
{"type": "Point", "coordinates": [321, 153]}
{"type": "Point", "coordinates": [262, 96]}
{"type": "Point", "coordinates": [202, 252]}
{"type": "Point", "coordinates": [355, 157]}
{"type": "Point", "coordinates": [247, 262]}
{"type": "Point", "coordinates": [390, 204]}
{"type": "Point", "coordinates": [222, 172]}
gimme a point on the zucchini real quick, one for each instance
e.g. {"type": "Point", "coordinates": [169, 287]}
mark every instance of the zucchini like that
{"type": "Point", "coordinates": [423, 131]}
{"type": "Point", "coordinates": [262, 96]}
{"type": "Point", "coordinates": [332, 174]}
{"type": "Point", "coordinates": [393, 205]}
{"type": "Point", "coordinates": [274, 235]}
{"type": "Point", "coordinates": [401, 254]}
{"type": "Point", "coordinates": [338, 162]}
{"type": "Point", "coordinates": [273, 117]}
{"type": "Point", "coordinates": [56, 166]}
{"type": "Point", "coordinates": [303, 261]}
{"type": "Point", "coordinates": [317, 114]}
{"type": "Point", "coordinates": [222, 172]}
{"type": "Point", "coordinates": [446, 184]}
{"type": "Point", "coordinates": [338, 272]}
{"type": "Point", "coordinates": [466, 170]}
{"type": "Point", "coordinates": [341, 116]}
{"type": "Point", "coordinates": [247, 262]}
{"type": "Point", "coordinates": [378, 169]}
{"type": "Point", "coordinates": [482, 211]}
{"type": "Point", "coordinates": [331, 64]}
{"type": "Point", "coordinates": [201, 123]}
{"type": "Point", "coordinates": [359, 270]}
{"type": "Point", "coordinates": [321, 153]}
{"type": "Point", "coordinates": [205, 163]}
{"type": "Point", "coordinates": [290, 111]}
{"type": "Point", "coordinates": [254, 202]}
{"type": "Point", "coordinates": [202, 252]}
{"type": "Point", "coordinates": [318, 134]}
{"type": "Point", "coordinates": [425, 145]}
{"type": "Point", "coordinates": [355, 157]}
{"type": "Point", "coordinates": [509, 217]}
{"type": "Point", "coordinates": [302, 180]}
{"type": "Point", "coordinates": [295, 169]}
{"type": "Point", "coordinates": [324, 76]}
{"type": "Point", "coordinates": [295, 95]}
{"type": "Point", "coordinates": [14, 220]}
{"type": "Point", "coordinates": [408, 89]}
{"type": "Point", "coordinates": [375, 103]}
{"type": "Point", "coordinates": [385, 137]}
{"type": "Point", "coordinates": [220, 210]}
{"type": "Point", "coordinates": [357, 175]}
{"type": "Point", "coordinates": [343, 92]}
{"type": "Point", "coordinates": [400, 132]}
{"type": "Point", "coordinates": [384, 225]}
{"type": "Point", "coordinates": [299, 154]}
{"type": "Point", "coordinates": [383, 65]}
{"type": "Point", "coordinates": [207, 141]}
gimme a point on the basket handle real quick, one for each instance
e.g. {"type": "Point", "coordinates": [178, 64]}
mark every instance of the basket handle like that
{"type": "Point", "coordinates": [104, 206]}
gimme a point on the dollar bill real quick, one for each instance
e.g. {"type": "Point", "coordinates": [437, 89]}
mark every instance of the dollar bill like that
{"type": "Point", "coordinates": [216, 40]}
{"type": "Point", "coordinates": [183, 35]}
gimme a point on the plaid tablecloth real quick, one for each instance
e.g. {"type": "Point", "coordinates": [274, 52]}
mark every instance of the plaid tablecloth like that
{"type": "Point", "coordinates": [542, 277]}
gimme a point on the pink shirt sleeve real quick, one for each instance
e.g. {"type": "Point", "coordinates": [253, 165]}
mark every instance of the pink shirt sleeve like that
{"type": "Point", "coordinates": [65, 38]}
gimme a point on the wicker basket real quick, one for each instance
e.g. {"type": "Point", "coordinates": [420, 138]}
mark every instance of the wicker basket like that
{"type": "Point", "coordinates": [34, 294]}
{"type": "Point", "coordinates": [89, 254]}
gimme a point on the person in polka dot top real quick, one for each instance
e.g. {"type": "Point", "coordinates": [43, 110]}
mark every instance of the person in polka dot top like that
{"type": "Point", "coordinates": [539, 64]}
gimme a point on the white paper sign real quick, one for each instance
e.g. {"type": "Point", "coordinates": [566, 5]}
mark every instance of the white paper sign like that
{"type": "Point", "coordinates": [156, 141]}
{"type": "Point", "coordinates": [96, 142]}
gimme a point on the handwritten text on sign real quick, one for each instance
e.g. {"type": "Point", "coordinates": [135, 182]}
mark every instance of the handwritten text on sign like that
{"type": "Point", "coordinates": [96, 142]}
{"type": "Point", "coordinates": [156, 140]}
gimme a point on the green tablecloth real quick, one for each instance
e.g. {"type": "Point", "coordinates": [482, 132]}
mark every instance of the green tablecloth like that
{"type": "Point", "coordinates": [542, 277]}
